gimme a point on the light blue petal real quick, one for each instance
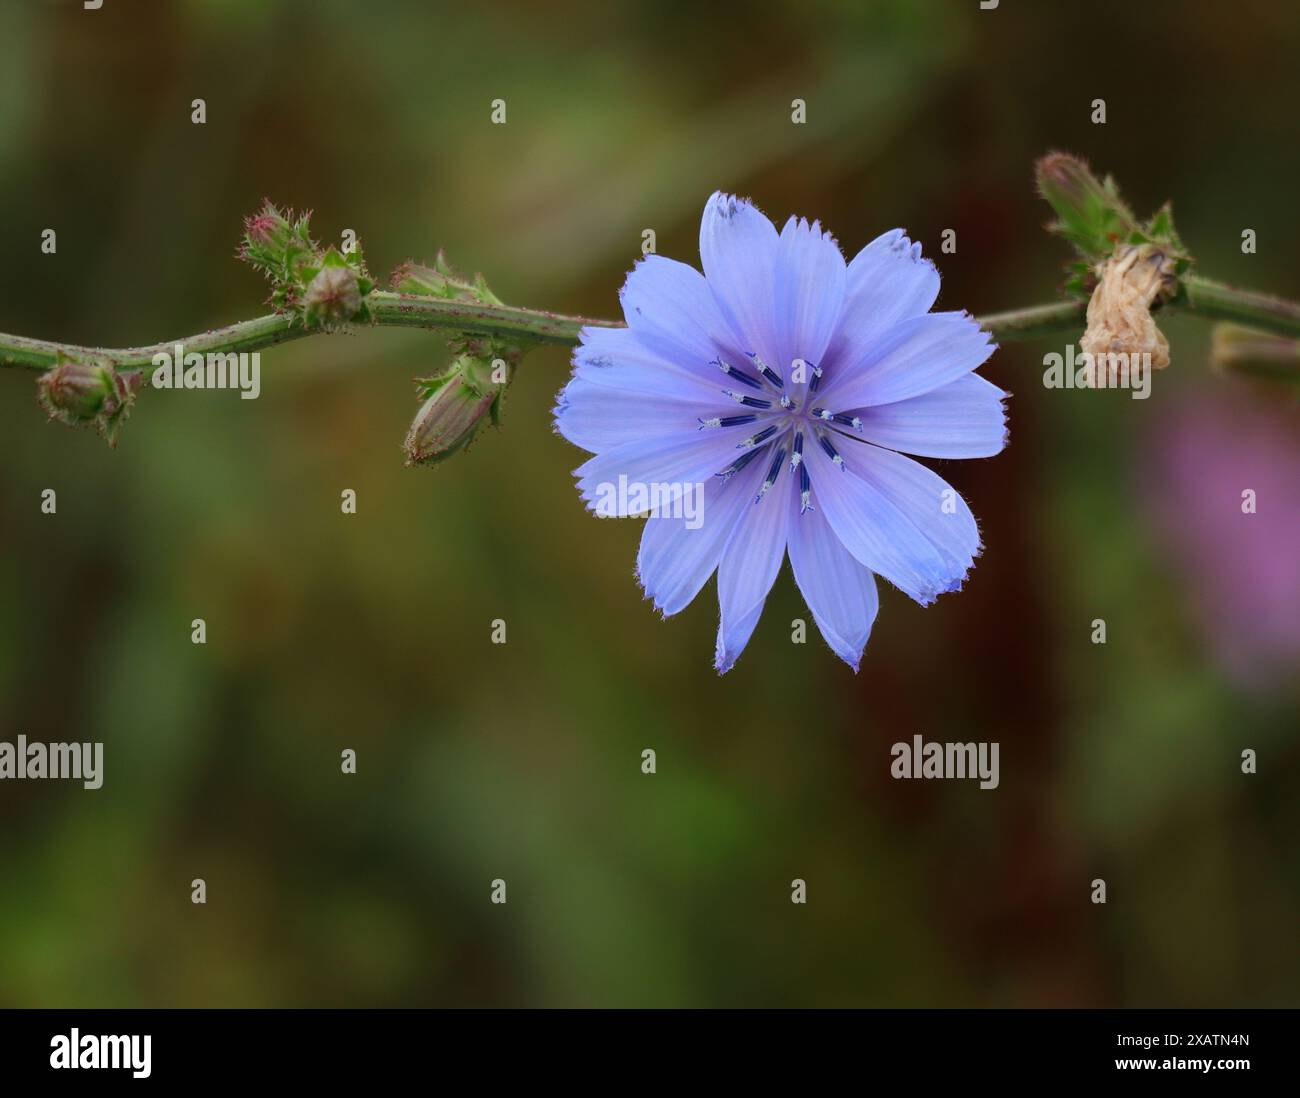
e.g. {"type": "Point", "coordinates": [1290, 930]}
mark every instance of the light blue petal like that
{"type": "Point", "coordinates": [677, 463]}
{"type": "Point", "coordinates": [810, 283]}
{"type": "Point", "coordinates": [888, 281]}
{"type": "Point", "coordinates": [899, 535]}
{"type": "Point", "coordinates": [930, 503]}
{"type": "Point", "coordinates": [733, 636]}
{"type": "Point", "coordinates": [738, 249]}
{"type": "Point", "coordinates": [913, 357]}
{"type": "Point", "coordinates": [675, 561]}
{"type": "Point", "coordinates": [624, 359]}
{"type": "Point", "coordinates": [600, 417]}
{"type": "Point", "coordinates": [671, 303]}
{"type": "Point", "coordinates": [963, 419]}
{"type": "Point", "coordinates": [751, 560]}
{"type": "Point", "coordinates": [839, 590]}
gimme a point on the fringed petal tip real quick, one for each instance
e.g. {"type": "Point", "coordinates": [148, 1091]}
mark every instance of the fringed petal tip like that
{"type": "Point", "coordinates": [725, 206]}
{"type": "Point", "coordinates": [649, 596]}
{"type": "Point", "coordinates": [722, 662]}
{"type": "Point", "coordinates": [801, 225]}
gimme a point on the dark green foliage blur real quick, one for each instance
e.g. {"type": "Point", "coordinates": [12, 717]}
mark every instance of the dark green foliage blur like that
{"type": "Point", "coordinates": [522, 761]}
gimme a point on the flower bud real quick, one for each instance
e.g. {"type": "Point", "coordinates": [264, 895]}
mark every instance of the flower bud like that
{"type": "Point", "coordinates": [320, 288]}
{"type": "Point", "coordinates": [274, 239]}
{"type": "Point", "coordinates": [1093, 216]}
{"type": "Point", "coordinates": [333, 296]}
{"type": "Point", "coordinates": [415, 278]}
{"type": "Point", "coordinates": [441, 280]}
{"type": "Point", "coordinates": [455, 406]}
{"type": "Point", "coordinates": [82, 393]}
{"type": "Point", "coordinates": [1238, 349]}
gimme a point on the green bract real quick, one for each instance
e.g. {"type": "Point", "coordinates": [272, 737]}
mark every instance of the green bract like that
{"type": "Point", "coordinates": [1094, 218]}
{"type": "Point", "coordinates": [320, 289]}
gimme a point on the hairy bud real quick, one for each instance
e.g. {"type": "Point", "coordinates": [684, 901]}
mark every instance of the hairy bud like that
{"type": "Point", "coordinates": [1092, 215]}
{"type": "Point", "coordinates": [456, 405]}
{"type": "Point", "coordinates": [332, 297]}
{"type": "Point", "coordinates": [1094, 218]}
{"type": "Point", "coordinates": [88, 394]}
{"type": "Point", "coordinates": [441, 280]}
{"type": "Point", "coordinates": [320, 288]}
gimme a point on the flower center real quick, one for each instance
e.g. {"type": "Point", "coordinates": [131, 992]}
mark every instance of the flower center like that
{"type": "Point", "coordinates": [782, 423]}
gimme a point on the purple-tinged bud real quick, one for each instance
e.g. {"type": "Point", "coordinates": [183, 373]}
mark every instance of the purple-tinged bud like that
{"type": "Point", "coordinates": [1092, 215]}
{"type": "Point", "coordinates": [441, 280]}
{"type": "Point", "coordinates": [456, 405]}
{"type": "Point", "coordinates": [85, 393]}
{"type": "Point", "coordinates": [333, 296]}
{"type": "Point", "coordinates": [272, 237]}
{"type": "Point", "coordinates": [414, 278]}
{"type": "Point", "coordinates": [262, 228]}
{"type": "Point", "coordinates": [75, 392]}
{"type": "Point", "coordinates": [321, 289]}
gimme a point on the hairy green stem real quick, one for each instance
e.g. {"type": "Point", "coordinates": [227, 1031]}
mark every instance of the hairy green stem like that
{"type": "Point", "coordinates": [389, 309]}
{"type": "Point", "coordinates": [1035, 321]}
{"type": "Point", "coordinates": [1267, 313]}
{"type": "Point", "coordinates": [1204, 297]}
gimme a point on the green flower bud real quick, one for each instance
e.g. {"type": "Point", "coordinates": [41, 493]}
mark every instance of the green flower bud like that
{"type": "Point", "coordinates": [441, 280]}
{"type": "Point", "coordinates": [1093, 216]}
{"type": "Point", "coordinates": [275, 242]}
{"type": "Point", "coordinates": [456, 405]}
{"type": "Point", "coordinates": [88, 393]}
{"type": "Point", "coordinates": [1238, 349]}
{"type": "Point", "coordinates": [321, 289]}
{"type": "Point", "coordinates": [333, 296]}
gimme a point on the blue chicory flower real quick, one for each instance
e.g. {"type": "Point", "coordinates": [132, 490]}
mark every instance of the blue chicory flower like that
{"type": "Point", "coordinates": [779, 387]}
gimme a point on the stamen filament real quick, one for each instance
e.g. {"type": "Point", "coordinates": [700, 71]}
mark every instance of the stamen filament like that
{"type": "Point", "coordinates": [774, 471]}
{"type": "Point", "coordinates": [831, 452]}
{"type": "Point", "coordinates": [754, 440]}
{"type": "Point", "coordinates": [739, 375]}
{"type": "Point", "coordinates": [805, 490]}
{"type": "Point", "coordinates": [748, 401]}
{"type": "Point", "coordinates": [737, 465]}
{"type": "Point", "coordinates": [726, 421]}
{"type": "Point", "coordinates": [763, 368]}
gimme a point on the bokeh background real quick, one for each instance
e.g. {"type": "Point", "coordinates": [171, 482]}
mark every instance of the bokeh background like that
{"type": "Point", "coordinates": [521, 761]}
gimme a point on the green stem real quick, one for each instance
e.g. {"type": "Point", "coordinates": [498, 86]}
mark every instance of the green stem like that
{"type": "Point", "coordinates": [1203, 297]}
{"type": "Point", "coordinates": [1215, 300]}
{"type": "Point", "coordinates": [247, 335]}
{"type": "Point", "coordinates": [525, 325]}
{"type": "Point", "coordinates": [1035, 321]}
{"type": "Point", "coordinates": [390, 310]}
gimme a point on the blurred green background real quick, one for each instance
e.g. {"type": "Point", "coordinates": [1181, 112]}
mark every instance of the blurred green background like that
{"type": "Point", "coordinates": [522, 761]}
